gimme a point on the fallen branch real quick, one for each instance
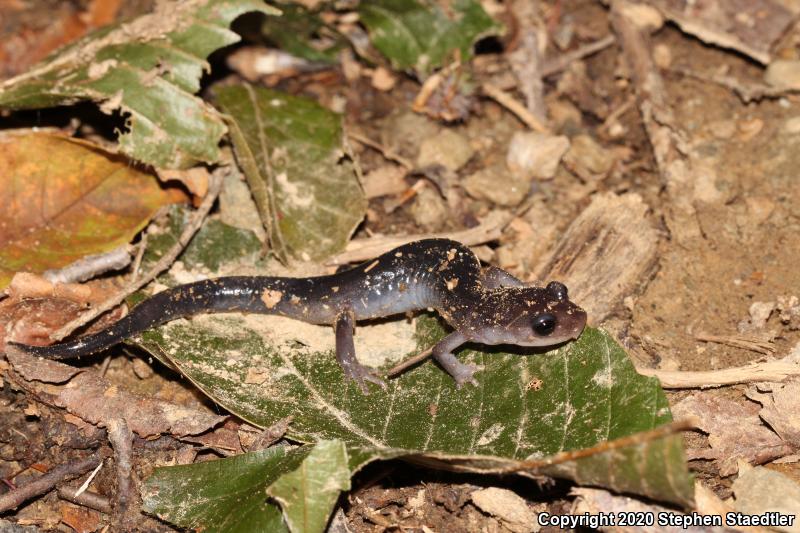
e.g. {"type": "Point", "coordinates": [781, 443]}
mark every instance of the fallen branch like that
{"type": "Point", "coordinates": [92, 500]}
{"type": "Point", "coordinates": [121, 439]}
{"type": "Point", "coordinates": [214, 187]}
{"type": "Point", "coordinates": [775, 371]}
{"type": "Point", "coordinates": [46, 482]}
{"type": "Point", "coordinates": [91, 266]}
{"type": "Point", "coordinates": [665, 135]}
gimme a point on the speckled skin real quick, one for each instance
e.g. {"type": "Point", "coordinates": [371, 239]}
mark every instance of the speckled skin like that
{"type": "Point", "coordinates": [489, 307]}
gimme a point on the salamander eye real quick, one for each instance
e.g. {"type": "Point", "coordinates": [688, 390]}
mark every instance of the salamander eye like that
{"type": "Point", "coordinates": [544, 325]}
{"type": "Point", "coordinates": [558, 290]}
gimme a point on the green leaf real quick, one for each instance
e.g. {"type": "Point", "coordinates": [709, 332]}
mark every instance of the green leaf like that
{"type": "Point", "coordinates": [224, 495]}
{"type": "Point", "coordinates": [308, 494]}
{"type": "Point", "coordinates": [230, 495]}
{"type": "Point", "coordinates": [291, 151]}
{"type": "Point", "coordinates": [526, 406]}
{"type": "Point", "coordinates": [297, 28]}
{"type": "Point", "coordinates": [419, 35]}
{"type": "Point", "coordinates": [149, 69]}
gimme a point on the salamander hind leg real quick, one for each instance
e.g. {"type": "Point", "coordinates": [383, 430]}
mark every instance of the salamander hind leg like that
{"type": "Point", "coordinates": [443, 353]}
{"type": "Point", "coordinates": [346, 354]}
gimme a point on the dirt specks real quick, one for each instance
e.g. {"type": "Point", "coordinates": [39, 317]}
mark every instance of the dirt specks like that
{"type": "Point", "coordinates": [271, 297]}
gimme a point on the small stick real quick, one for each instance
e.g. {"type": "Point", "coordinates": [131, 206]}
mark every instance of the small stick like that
{"type": "Point", "coordinates": [746, 343]}
{"type": "Point", "coordinates": [618, 112]}
{"type": "Point", "coordinates": [121, 440]}
{"type": "Point", "coordinates": [526, 60]}
{"type": "Point", "coordinates": [776, 371]}
{"type": "Point", "coordinates": [46, 482]}
{"type": "Point", "coordinates": [508, 101]}
{"type": "Point", "coordinates": [88, 481]}
{"type": "Point", "coordinates": [400, 367]}
{"type": "Point", "coordinates": [92, 500]}
{"type": "Point", "coordinates": [385, 152]}
{"type": "Point", "coordinates": [137, 261]}
{"type": "Point", "coordinates": [91, 266]}
{"type": "Point", "coordinates": [391, 205]}
{"type": "Point", "coordinates": [557, 64]}
{"type": "Point", "coordinates": [214, 187]}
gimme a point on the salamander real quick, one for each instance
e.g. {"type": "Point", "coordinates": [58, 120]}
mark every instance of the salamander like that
{"type": "Point", "coordinates": [487, 306]}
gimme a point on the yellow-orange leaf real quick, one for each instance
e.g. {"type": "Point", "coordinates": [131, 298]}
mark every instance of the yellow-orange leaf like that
{"type": "Point", "coordinates": [63, 199]}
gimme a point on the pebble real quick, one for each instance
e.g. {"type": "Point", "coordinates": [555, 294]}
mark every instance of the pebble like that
{"type": "Point", "coordinates": [587, 156]}
{"type": "Point", "coordinates": [402, 132]}
{"type": "Point", "coordinates": [783, 73]}
{"type": "Point", "coordinates": [535, 155]}
{"type": "Point", "coordinates": [429, 211]}
{"type": "Point", "coordinates": [507, 506]}
{"type": "Point", "coordinates": [383, 79]}
{"type": "Point", "coordinates": [498, 185]}
{"type": "Point", "coordinates": [447, 148]}
{"type": "Point", "coordinates": [792, 126]}
{"type": "Point", "coordinates": [722, 129]}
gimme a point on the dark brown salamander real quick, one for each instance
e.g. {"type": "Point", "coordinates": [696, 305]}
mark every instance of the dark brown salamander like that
{"type": "Point", "coordinates": [488, 307]}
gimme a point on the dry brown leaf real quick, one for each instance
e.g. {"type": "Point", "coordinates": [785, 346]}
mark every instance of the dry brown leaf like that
{"type": "Point", "coordinates": [748, 27]}
{"type": "Point", "coordinates": [98, 401]}
{"type": "Point", "coordinates": [746, 439]}
{"type": "Point", "coordinates": [781, 408]}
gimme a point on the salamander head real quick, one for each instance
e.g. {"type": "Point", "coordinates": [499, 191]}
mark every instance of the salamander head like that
{"type": "Point", "coordinates": [531, 316]}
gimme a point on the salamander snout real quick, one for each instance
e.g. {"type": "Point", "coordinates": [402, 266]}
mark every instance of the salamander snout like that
{"type": "Point", "coordinates": [559, 322]}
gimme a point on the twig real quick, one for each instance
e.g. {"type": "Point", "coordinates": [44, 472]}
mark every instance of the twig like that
{"type": "Point", "coordinates": [408, 363]}
{"type": "Point", "coordinates": [385, 152]}
{"type": "Point", "coordinates": [618, 112]}
{"type": "Point", "coordinates": [88, 481]}
{"type": "Point", "coordinates": [362, 249]}
{"type": "Point", "coordinates": [92, 500]}
{"type": "Point", "coordinates": [666, 137]}
{"type": "Point", "coordinates": [137, 261]}
{"type": "Point", "coordinates": [91, 266]}
{"type": "Point", "coordinates": [746, 343]}
{"type": "Point", "coordinates": [775, 371]}
{"type": "Point", "coordinates": [44, 483]}
{"type": "Point", "coordinates": [392, 204]}
{"type": "Point", "coordinates": [214, 187]}
{"type": "Point", "coordinates": [121, 440]}
{"type": "Point", "coordinates": [557, 64]}
{"type": "Point", "coordinates": [508, 101]}
{"type": "Point", "coordinates": [526, 61]}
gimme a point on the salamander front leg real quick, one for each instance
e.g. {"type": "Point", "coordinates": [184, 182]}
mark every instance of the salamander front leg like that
{"type": "Point", "coordinates": [443, 353]}
{"type": "Point", "coordinates": [346, 354]}
{"type": "Point", "coordinates": [494, 278]}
